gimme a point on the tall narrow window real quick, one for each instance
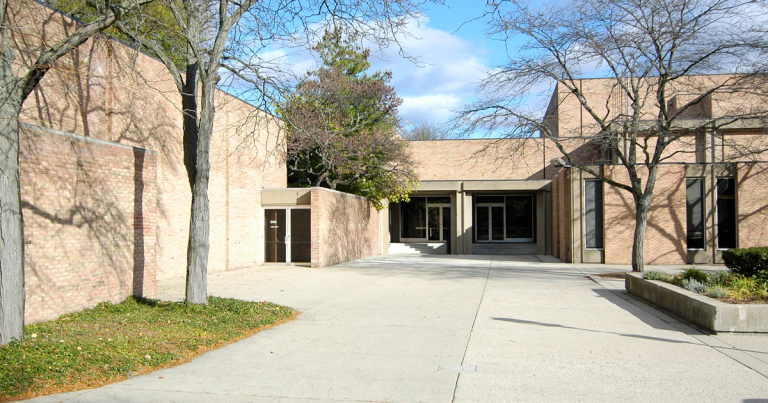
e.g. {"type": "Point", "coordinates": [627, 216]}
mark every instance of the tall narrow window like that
{"type": "Point", "coordinates": [593, 213]}
{"type": "Point", "coordinates": [695, 212]}
{"type": "Point", "coordinates": [726, 213]}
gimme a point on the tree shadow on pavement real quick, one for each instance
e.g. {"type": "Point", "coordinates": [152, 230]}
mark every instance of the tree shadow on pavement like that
{"type": "Point", "coordinates": [555, 325]}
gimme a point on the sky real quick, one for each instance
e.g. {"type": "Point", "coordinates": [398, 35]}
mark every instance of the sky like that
{"type": "Point", "coordinates": [454, 54]}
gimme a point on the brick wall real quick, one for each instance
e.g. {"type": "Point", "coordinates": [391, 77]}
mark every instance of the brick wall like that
{"type": "Point", "coordinates": [492, 159]}
{"type": "Point", "coordinates": [109, 91]}
{"type": "Point", "coordinates": [345, 227]}
{"type": "Point", "coordinates": [752, 204]}
{"type": "Point", "coordinates": [666, 233]}
{"type": "Point", "coordinates": [90, 211]}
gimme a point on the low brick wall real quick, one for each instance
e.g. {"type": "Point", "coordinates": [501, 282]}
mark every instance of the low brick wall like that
{"type": "Point", "coordinates": [707, 312]}
{"type": "Point", "coordinates": [345, 227]}
{"type": "Point", "coordinates": [89, 221]}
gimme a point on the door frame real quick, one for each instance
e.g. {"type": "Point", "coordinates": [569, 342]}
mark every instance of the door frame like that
{"type": "Point", "coordinates": [287, 239]}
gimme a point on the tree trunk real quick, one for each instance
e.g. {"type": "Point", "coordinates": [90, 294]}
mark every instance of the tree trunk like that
{"type": "Point", "coordinates": [641, 224]}
{"type": "Point", "coordinates": [199, 229]}
{"type": "Point", "coordinates": [12, 292]}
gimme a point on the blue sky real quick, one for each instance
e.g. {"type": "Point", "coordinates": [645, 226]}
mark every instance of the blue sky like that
{"type": "Point", "coordinates": [454, 52]}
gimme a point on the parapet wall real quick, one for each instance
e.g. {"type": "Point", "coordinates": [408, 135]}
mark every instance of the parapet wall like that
{"type": "Point", "coordinates": [345, 227]}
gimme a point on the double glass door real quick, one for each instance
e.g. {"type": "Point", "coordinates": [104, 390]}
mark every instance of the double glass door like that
{"type": "Point", "coordinates": [426, 219]}
{"type": "Point", "coordinates": [504, 218]}
{"type": "Point", "coordinates": [490, 223]}
{"type": "Point", "coordinates": [287, 235]}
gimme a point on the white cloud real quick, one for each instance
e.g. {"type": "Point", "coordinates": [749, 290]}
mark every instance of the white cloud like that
{"type": "Point", "coordinates": [447, 73]}
{"type": "Point", "coordinates": [429, 107]}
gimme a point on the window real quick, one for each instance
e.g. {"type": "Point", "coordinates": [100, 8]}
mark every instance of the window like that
{"type": "Point", "coordinates": [415, 218]}
{"type": "Point", "coordinates": [726, 213]}
{"type": "Point", "coordinates": [504, 218]}
{"type": "Point", "coordinates": [593, 213]}
{"type": "Point", "coordinates": [694, 195]}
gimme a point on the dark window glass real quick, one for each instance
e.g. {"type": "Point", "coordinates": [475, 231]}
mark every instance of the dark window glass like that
{"type": "Point", "coordinates": [447, 226]}
{"type": "Point", "coordinates": [519, 217]}
{"type": "Point", "coordinates": [593, 213]}
{"type": "Point", "coordinates": [434, 223]}
{"type": "Point", "coordinates": [490, 199]}
{"type": "Point", "coordinates": [439, 200]}
{"type": "Point", "coordinates": [726, 213]}
{"type": "Point", "coordinates": [483, 223]}
{"type": "Point", "coordinates": [695, 212]}
{"type": "Point", "coordinates": [497, 223]}
{"type": "Point", "coordinates": [415, 218]}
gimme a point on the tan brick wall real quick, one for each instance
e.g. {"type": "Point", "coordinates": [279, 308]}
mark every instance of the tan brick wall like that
{"type": "Point", "coordinates": [345, 227]}
{"type": "Point", "coordinates": [752, 204]}
{"type": "Point", "coordinates": [89, 222]}
{"type": "Point", "coordinates": [490, 159]}
{"type": "Point", "coordinates": [666, 233]}
{"type": "Point", "coordinates": [109, 91]}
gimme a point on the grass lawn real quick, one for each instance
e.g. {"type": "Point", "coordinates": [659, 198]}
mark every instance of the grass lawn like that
{"type": "Point", "coordinates": [113, 342]}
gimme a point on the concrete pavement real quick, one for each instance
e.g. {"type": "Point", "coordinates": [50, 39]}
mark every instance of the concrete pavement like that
{"type": "Point", "coordinates": [463, 329]}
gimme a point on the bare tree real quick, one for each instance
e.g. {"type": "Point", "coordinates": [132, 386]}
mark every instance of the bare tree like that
{"type": "Point", "coordinates": [658, 57]}
{"type": "Point", "coordinates": [16, 83]}
{"type": "Point", "coordinates": [240, 37]}
{"type": "Point", "coordinates": [427, 130]}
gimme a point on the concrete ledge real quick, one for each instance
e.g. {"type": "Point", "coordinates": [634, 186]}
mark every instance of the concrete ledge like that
{"type": "Point", "coordinates": [706, 312]}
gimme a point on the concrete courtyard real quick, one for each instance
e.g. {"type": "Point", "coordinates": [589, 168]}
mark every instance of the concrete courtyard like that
{"type": "Point", "coordinates": [422, 328]}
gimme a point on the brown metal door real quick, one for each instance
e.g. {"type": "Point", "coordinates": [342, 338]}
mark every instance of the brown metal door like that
{"type": "Point", "coordinates": [301, 235]}
{"type": "Point", "coordinates": [274, 235]}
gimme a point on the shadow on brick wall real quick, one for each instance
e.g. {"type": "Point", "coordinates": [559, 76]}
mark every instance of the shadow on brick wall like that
{"type": "Point", "coordinates": [88, 234]}
{"type": "Point", "coordinates": [350, 229]}
{"type": "Point", "coordinates": [665, 235]}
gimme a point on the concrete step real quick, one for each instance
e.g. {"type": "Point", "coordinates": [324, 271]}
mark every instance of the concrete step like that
{"type": "Point", "coordinates": [418, 248]}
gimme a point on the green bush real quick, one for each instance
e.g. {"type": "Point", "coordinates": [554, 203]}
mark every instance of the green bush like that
{"type": "Point", "coordinates": [693, 273]}
{"type": "Point", "coordinates": [717, 292]}
{"type": "Point", "coordinates": [695, 286]}
{"type": "Point", "coordinates": [721, 278]}
{"type": "Point", "coordinates": [746, 261]}
{"type": "Point", "coordinates": [657, 275]}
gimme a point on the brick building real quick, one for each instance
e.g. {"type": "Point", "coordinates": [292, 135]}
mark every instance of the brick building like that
{"type": "Point", "coordinates": [512, 196]}
{"type": "Point", "coordinates": [106, 199]}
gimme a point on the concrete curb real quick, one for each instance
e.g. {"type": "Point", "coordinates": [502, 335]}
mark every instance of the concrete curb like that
{"type": "Point", "coordinates": [706, 312]}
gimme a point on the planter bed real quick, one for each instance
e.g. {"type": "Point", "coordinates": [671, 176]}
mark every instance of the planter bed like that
{"type": "Point", "coordinates": [704, 311]}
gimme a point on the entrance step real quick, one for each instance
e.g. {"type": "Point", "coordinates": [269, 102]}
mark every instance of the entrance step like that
{"type": "Point", "coordinates": [503, 248]}
{"type": "Point", "coordinates": [418, 248]}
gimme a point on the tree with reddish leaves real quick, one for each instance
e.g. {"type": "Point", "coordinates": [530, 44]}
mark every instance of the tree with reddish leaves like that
{"type": "Point", "coordinates": [342, 127]}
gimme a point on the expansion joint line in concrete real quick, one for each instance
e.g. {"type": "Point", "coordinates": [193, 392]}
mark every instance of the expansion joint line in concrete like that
{"type": "Point", "coordinates": [477, 312]}
{"type": "Point", "coordinates": [744, 358]}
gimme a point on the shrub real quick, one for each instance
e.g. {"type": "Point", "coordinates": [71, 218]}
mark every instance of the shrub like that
{"type": "Point", "coordinates": [717, 292]}
{"type": "Point", "coordinates": [657, 275]}
{"type": "Point", "coordinates": [747, 288]}
{"type": "Point", "coordinates": [695, 286]}
{"type": "Point", "coordinates": [721, 278]}
{"type": "Point", "coordinates": [693, 273]}
{"type": "Point", "coordinates": [746, 261]}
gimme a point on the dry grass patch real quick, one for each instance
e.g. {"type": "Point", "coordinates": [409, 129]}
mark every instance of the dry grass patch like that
{"type": "Point", "coordinates": [113, 342]}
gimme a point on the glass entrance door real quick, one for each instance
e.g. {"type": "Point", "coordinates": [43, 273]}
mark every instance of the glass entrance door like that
{"type": "Point", "coordinates": [490, 222]}
{"type": "Point", "coordinates": [439, 223]}
{"type": "Point", "coordinates": [274, 235]}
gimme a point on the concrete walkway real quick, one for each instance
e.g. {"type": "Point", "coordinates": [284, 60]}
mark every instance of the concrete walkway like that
{"type": "Point", "coordinates": [454, 329]}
